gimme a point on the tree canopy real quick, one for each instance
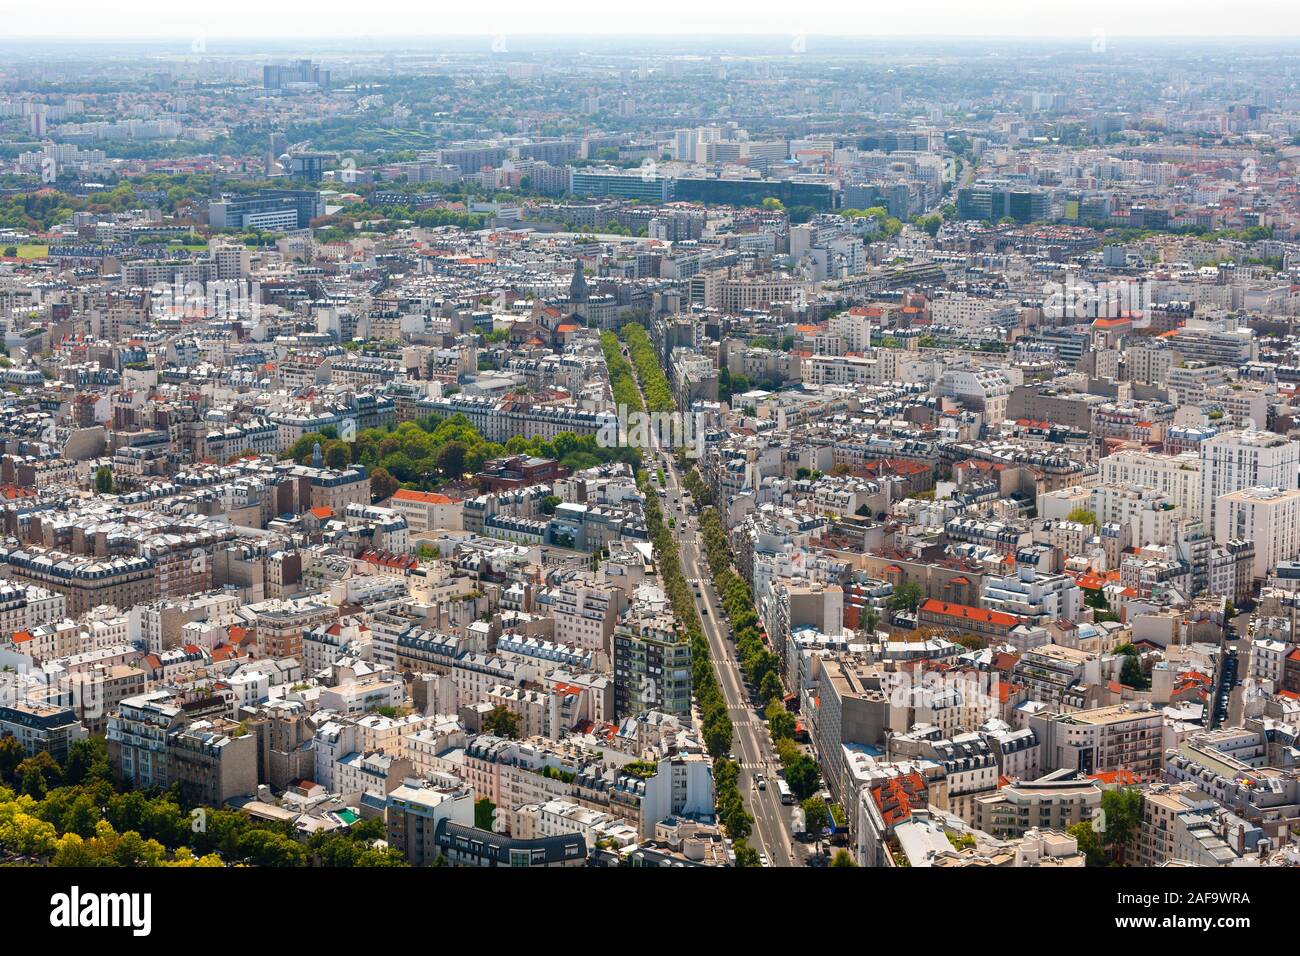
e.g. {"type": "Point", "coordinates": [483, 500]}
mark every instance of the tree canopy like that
{"type": "Point", "coordinates": [78, 817]}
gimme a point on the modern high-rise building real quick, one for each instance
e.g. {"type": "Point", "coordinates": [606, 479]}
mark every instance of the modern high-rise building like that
{"type": "Point", "coordinates": [470, 158]}
{"type": "Point", "coordinates": [277, 146]}
{"type": "Point", "coordinates": [1235, 460]}
{"type": "Point", "coordinates": [308, 166]}
{"type": "Point", "coordinates": [652, 669]}
{"type": "Point", "coordinates": [299, 72]}
{"type": "Point", "coordinates": [635, 184]}
{"type": "Point", "coordinates": [995, 200]}
{"type": "Point", "coordinates": [740, 192]}
{"type": "Point", "coordinates": [1269, 517]}
{"type": "Point", "coordinates": [274, 209]}
{"type": "Point", "coordinates": [1176, 476]}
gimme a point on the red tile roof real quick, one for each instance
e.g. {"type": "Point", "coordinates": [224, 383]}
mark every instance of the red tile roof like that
{"type": "Point", "coordinates": [1123, 778]}
{"type": "Point", "coordinates": [968, 613]}
{"type": "Point", "coordinates": [425, 497]}
{"type": "Point", "coordinates": [896, 795]}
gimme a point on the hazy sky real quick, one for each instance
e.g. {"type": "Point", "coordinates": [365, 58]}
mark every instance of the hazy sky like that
{"type": "Point", "coordinates": [88, 19]}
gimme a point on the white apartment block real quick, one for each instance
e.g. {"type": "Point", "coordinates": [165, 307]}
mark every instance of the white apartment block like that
{"type": "Point", "coordinates": [1118, 737]}
{"type": "Point", "coordinates": [963, 310]}
{"type": "Point", "coordinates": [822, 370]}
{"type": "Point", "coordinates": [430, 748]}
{"type": "Point", "coordinates": [985, 390]}
{"type": "Point", "coordinates": [427, 510]}
{"type": "Point", "coordinates": [560, 817]}
{"type": "Point", "coordinates": [1177, 476]}
{"type": "Point", "coordinates": [1150, 516]}
{"type": "Point", "coordinates": [1267, 657]}
{"type": "Point", "coordinates": [1270, 517]}
{"type": "Point", "coordinates": [585, 613]}
{"type": "Point", "coordinates": [366, 693]}
{"type": "Point", "coordinates": [1231, 461]}
{"type": "Point", "coordinates": [24, 607]}
{"type": "Point", "coordinates": [854, 329]}
{"type": "Point", "coordinates": [1027, 593]}
{"type": "Point", "coordinates": [1193, 381]}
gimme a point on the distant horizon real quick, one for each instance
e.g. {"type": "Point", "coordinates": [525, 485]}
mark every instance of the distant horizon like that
{"type": "Point", "coordinates": [838, 38]}
{"type": "Point", "coordinates": [841, 21]}
{"type": "Point", "coordinates": [201, 45]}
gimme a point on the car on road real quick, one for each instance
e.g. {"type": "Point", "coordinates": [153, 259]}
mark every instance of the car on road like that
{"type": "Point", "coordinates": [762, 859]}
{"type": "Point", "coordinates": [760, 781]}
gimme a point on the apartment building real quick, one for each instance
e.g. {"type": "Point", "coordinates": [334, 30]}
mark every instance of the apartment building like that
{"type": "Point", "coordinates": [1181, 824]}
{"type": "Point", "coordinates": [852, 706]}
{"type": "Point", "coordinates": [284, 743]}
{"type": "Point", "coordinates": [279, 624]}
{"type": "Point", "coordinates": [1056, 801]}
{"type": "Point", "coordinates": [988, 625]}
{"type": "Point", "coordinates": [512, 773]}
{"type": "Point", "coordinates": [359, 693]}
{"type": "Point", "coordinates": [1235, 460]}
{"type": "Point", "coordinates": [678, 786]}
{"type": "Point", "coordinates": [24, 607]}
{"type": "Point", "coordinates": [986, 391]}
{"type": "Point", "coordinates": [212, 761]}
{"type": "Point", "coordinates": [1269, 517]}
{"type": "Point", "coordinates": [1033, 596]}
{"type": "Point", "coordinates": [427, 510]}
{"type": "Point", "coordinates": [41, 728]}
{"type": "Point", "coordinates": [85, 582]}
{"type": "Point", "coordinates": [735, 292]}
{"type": "Point", "coordinates": [98, 692]}
{"type": "Point", "coordinates": [1053, 673]}
{"type": "Point", "coordinates": [413, 812]}
{"type": "Point", "coordinates": [468, 846]}
{"type": "Point", "coordinates": [652, 667]}
{"type": "Point", "coordinates": [1117, 737]}
{"type": "Point", "coordinates": [585, 612]}
{"type": "Point", "coordinates": [137, 739]}
{"type": "Point", "coordinates": [375, 773]}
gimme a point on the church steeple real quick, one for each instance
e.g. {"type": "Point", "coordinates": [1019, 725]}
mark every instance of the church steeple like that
{"type": "Point", "coordinates": [578, 287]}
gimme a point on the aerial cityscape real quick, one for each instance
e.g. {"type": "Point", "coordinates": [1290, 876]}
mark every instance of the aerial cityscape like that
{"type": "Point", "coordinates": [686, 451]}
